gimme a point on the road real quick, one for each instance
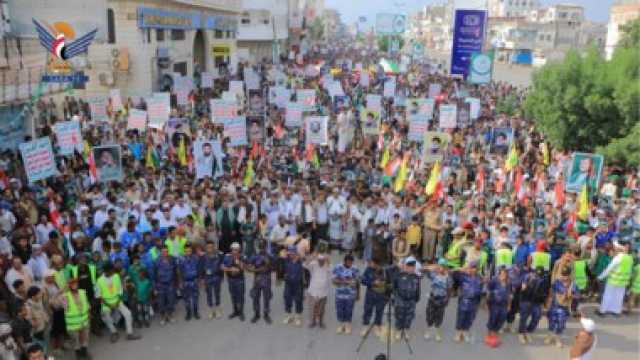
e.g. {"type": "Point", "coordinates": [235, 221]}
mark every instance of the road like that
{"type": "Point", "coordinates": [618, 338]}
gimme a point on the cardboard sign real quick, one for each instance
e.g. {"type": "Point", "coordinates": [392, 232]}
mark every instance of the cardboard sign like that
{"type": "Point", "coordinates": [38, 159]}
{"type": "Point", "coordinates": [137, 120]}
{"type": "Point", "coordinates": [68, 136]}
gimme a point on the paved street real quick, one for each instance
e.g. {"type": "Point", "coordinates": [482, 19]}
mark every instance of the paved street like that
{"type": "Point", "coordinates": [225, 339]}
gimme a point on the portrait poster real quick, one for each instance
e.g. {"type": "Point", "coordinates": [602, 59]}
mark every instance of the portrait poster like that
{"type": "Point", "coordinates": [69, 137]}
{"type": "Point", "coordinates": [584, 168]}
{"type": "Point", "coordinates": [255, 129]}
{"type": "Point", "coordinates": [256, 102]}
{"type": "Point", "coordinates": [501, 140]}
{"type": "Point", "coordinates": [370, 121]}
{"type": "Point", "coordinates": [317, 130]}
{"type": "Point", "coordinates": [205, 157]}
{"type": "Point", "coordinates": [463, 114]}
{"type": "Point", "coordinates": [38, 159]}
{"type": "Point", "coordinates": [422, 107]}
{"type": "Point", "coordinates": [108, 160]}
{"type": "Point", "coordinates": [341, 102]}
{"type": "Point", "coordinates": [448, 116]}
{"type": "Point", "coordinates": [435, 146]}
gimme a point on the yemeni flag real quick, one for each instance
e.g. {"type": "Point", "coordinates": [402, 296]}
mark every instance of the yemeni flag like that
{"type": "Point", "coordinates": [389, 66]}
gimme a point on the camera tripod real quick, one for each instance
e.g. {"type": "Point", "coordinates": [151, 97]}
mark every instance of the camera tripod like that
{"type": "Point", "coordinates": [403, 335]}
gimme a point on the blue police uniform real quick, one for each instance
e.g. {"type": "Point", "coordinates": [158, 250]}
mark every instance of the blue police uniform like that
{"type": "Point", "coordinates": [497, 301]}
{"type": "Point", "coordinates": [293, 285]}
{"type": "Point", "coordinates": [532, 297]}
{"type": "Point", "coordinates": [189, 266]}
{"type": "Point", "coordinates": [262, 263]}
{"type": "Point", "coordinates": [516, 276]}
{"type": "Point", "coordinates": [236, 283]}
{"type": "Point", "coordinates": [375, 297]}
{"type": "Point", "coordinates": [211, 269]}
{"type": "Point", "coordinates": [559, 312]}
{"type": "Point", "coordinates": [345, 294]}
{"type": "Point", "coordinates": [164, 282]}
{"type": "Point", "coordinates": [407, 290]}
{"type": "Point", "coordinates": [468, 300]}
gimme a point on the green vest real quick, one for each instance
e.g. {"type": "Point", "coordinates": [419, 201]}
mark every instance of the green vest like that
{"type": "Point", "coordinates": [71, 271]}
{"type": "Point", "coordinates": [453, 255]}
{"type": "Point", "coordinates": [621, 276]}
{"type": "Point", "coordinates": [154, 253]}
{"type": "Point", "coordinates": [171, 246]}
{"type": "Point", "coordinates": [504, 257]}
{"type": "Point", "coordinates": [580, 274]}
{"type": "Point", "coordinates": [92, 271]}
{"type": "Point", "coordinates": [110, 294]}
{"type": "Point", "coordinates": [482, 262]}
{"type": "Point", "coordinates": [635, 284]}
{"type": "Point", "coordinates": [76, 316]}
{"type": "Point", "coordinates": [540, 259]}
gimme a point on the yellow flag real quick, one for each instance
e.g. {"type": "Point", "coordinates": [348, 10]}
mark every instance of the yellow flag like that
{"type": "Point", "coordinates": [430, 188]}
{"type": "Point", "coordinates": [545, 154]}
{"type": "Point", "coordinates": [249, 174]}
{"type": "Point", "coordinates": [398, 185]}
{"type": "Point", "coordinates": [86, 149]}
{"type": "Point", "coordinates": [182, 153]}
{"type": "Point", "coordinates": [583, 204]}
{"type": "Point", "coordinates": [512, 159]}
{"type": "Point", "coordinates": [385, 158]}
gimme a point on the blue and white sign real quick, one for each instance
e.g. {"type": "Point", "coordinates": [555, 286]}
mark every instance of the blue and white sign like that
{"type": "Point", "coordinates": [468, 35]}
{"type": "Point", "coordinates": [390, 24]}
{"type": "Point", "coordinates": [480, 69]}
{"type": "Point", "coordinates": [38, 160]}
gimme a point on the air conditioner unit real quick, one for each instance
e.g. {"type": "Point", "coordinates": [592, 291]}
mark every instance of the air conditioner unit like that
{"type": "Point", "coordinates": [106, 79]}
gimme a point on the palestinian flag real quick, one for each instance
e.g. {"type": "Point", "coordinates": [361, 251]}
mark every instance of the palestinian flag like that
{"type": "Point", "coordinates": [389, 67]}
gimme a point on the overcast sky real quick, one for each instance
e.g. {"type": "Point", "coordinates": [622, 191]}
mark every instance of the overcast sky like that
{"type": "Point", "coordinates": [596, 10]}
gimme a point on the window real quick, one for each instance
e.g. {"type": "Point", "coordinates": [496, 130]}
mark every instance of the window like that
{"type": "Point", "coordinates": [177, 34]}
{"type": "Point", "coordinates": [265, 21]}
{"type": "Point", "coordinates": [111, 27]}
{"type": "Point", "coordinates": [230, 34]}
{"type": "Point", "coordinates": [245, 21]}
{"type": "Point", "coordinates": [148, 36]}
{"type": "Point", "coordinates": [217, 34]}
{"type": "Point", "coordinates": [159, 35]}
{"type": "Point", "coordinates": [180, 68]}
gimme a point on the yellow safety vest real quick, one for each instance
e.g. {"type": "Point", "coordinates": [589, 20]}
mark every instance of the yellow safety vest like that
{"type": "Point", "coordinates": [635, 285]}
{"type": "Point", "coordinates": [504, 257]}
{"type": "Point", "coordinates": [60, 278]}
{"type": "Point", "coordinates": [110, 294]}
{"type": "Point", "coordinates": [76, 316]}
{"type": "Point", "coordinates": [171, 247]}
{"type": "Point", "coordinates": [541, 259]}
{"type": "Point", "coordinates": [453, 255]}
{"type": "Point", "coordinates": [621, 276]}
{"type": "Point", "coordinates": [580, 273]}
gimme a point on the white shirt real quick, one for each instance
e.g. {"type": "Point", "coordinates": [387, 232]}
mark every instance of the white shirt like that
{"type": "Point", "coordinates": [180, 212]}
{"type": "Point", "coordinates": [322, 215]}
{"type": "Point", "coordinates": [7, 221]}
{"type": "Point", "coordinates": [320, 281]}
{"type": "Point", "coordinates": [99, 218]}
{"type": "Point", "coordinates": [42, 232]}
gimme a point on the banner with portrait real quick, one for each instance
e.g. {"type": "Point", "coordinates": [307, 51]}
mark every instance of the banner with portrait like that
{"type": "Point", "coordinates": [501, 139]}
{"type": "Point", "coordinates": [317, 130]}
{"type": "Point", "coordinates": [584, 168]}
{"type": "Point", "coordinates": [422, 107]}
{"type": "Point", "coordinates": [256, 102]}
{"type": "Point", "coordinates": [68, 136]}
{"type": "Point", "coordinates": [108, 160]}
{"type": "Point", "coordinates": [435, 146]}
{"type": "Point", "coordinates": [255, 129]}
{"type": "Point", "coordinates": [463, 114]}
{"type": "Point", "coordinates": [370, 121]}
{"type": "Point", "coordinates": [208, 158]}
{"type": "Point", "coordinates": [38, 159]}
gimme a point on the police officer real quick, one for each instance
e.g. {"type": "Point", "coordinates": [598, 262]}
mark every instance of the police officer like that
{"type": "Point", "coordinates": [375, 298]}
{"type": "Point", "coordinates": [516, 274]}
{"type": "Point", "coordinates": [233, 265]}
{"type": "Point", "coordinates": [293, 286]}
{"type": "Point", "coordinates": [261, 265]}
{"type": "Point", "coordinates": [534, 292]}
{"type": "Point", "coordinates": [211, 269]}
{"type": "Point", "coordinates": [498, 295]}
{"type": "Point", "coordinates": [189, 266]}
{"type": "Point", "coordinates": [406, 288]}
{"type": "Point", "coordinates": [345, 278]}
{"type": "Point", "coordinates": [471, 287]}
{"type": "Point", "coordinates": [165, 277]}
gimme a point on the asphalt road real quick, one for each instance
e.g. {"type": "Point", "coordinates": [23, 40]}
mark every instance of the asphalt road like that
{"type": "Point", "coordinates": [618, 338]}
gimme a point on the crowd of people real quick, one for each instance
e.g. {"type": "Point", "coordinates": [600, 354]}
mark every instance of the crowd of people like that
{"type": "Point", "coordinates": [81, 257]}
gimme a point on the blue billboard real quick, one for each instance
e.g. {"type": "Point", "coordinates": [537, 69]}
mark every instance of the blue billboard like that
{"type": "Point", "coordinates": [468, 35]}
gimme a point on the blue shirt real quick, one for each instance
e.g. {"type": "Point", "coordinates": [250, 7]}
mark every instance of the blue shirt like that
{"type": "Point", "coordinates": [120, 255]}
{"type": "Point", "coordinates": [130, 239]}
{"type": "Point", "coordinates": [497, 293]}
{"type": "Point", "coordinates": [521, 254]}
{"type": "Point", "coordinates": [258, 261]}
{"type": "Point", "coordinates": [603, 238]}
{"type": "Point", "coordinates": [440, 284]}
{"type": "Point", "coordinates": [471, 289]}
{"type": "Point", "coordinates": [165, 270]}
{"type": "Point", "coordinates": [211, 266]}
{"type": "Point", "coordinates": [189, 266]}
{"type": "Point", "coordinates": [341, 272]}
{"type": "Point", "coordinates": [293, 271]}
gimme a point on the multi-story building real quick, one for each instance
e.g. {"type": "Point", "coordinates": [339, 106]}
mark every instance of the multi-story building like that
{"type": "Point", "coordinates": [620, 13]}
{"type": "Point", "coordinates": [263, 29]}
{"type": "Point", "coordinates": [140, 45]}
{"type": "Point", "coordinates": [512, 8]}
{"type": "Point", "coordinates": [432, 26]}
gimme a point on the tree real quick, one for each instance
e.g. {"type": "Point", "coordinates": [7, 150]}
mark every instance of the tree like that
{"type": "Point", "coordinates": [631, 35]}
{"type": "Point", "coordinates": [316, 29]}
{"type": "Point", "coordinates": [385, 41]}
{"type": "Point", "coordinates": [507, 105]}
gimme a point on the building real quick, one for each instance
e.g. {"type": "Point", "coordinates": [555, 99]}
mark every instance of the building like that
{"type": "Point", "coordinates": [620, 13]}
{"type": "Point", "coordinates": [140, 45]}
{"type": "Point", "coordinates": [512, 8]}
{"type": "Point", "coordinates": [263, 29]}
{"type": "Point", "coordinates": [433, 27]}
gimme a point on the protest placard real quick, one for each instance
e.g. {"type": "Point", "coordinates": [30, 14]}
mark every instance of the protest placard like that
{"type": "Point", "coordinates": [279, 96]}
{"type": "Point", "coordinates": [370, 119]}
{"type": "Point", "coordinates": [293, 115]}
{"type": "Point", "coordinates": [116, 100]}
{"type": "Point", "coordinates": [235, 128]}
{"type": "Point", "coordinates": [98, 107]}
{"type": "Point", "coordinates": [137, 120]}
{"type": "Point", "coordinates": [418, 125]}
{"type": "Point", "coordinates": [221, 109]}
{"type": "Point", "coordinates": [435, 146]}
{"type": "Point", "coordinates": [68, 136]}
{"type": "Point", "coordinates": [316, 130]}
{"type": "Point", "coordinates": [108, 160]}
{"type": "Point", "coordinates": [501, 139]}
{"type": "Point", "coordinates": [389, 89]}
{"type": "Point", "coordinates": [306, 97]}
{"type": "Point", "coordinates": [448, 116]}
{"type": "Point", "coordinates": [434, 90]}
{"type": "Point", "coordinates": [474, 107]}
{"type": "Point", "coordinates": [364, 79]}
{"type": "Point", "coordinates": [374, 102]}
{"type": "Point", "coordinates": [38, 159]}
{"type": "Point", "coordinates": [236, 87]}
{"type": "Point", "coordinates": [158, 109]}
{"type": "Point", "coordinates": [422, 107]}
